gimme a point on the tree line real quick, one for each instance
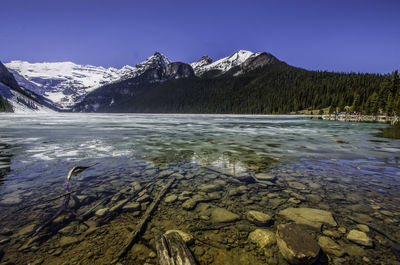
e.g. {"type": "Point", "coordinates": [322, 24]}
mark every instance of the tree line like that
{"type": "Point", "coordinates": [5, 106]}
{"type": "Point", "coordinates": [274, 89]}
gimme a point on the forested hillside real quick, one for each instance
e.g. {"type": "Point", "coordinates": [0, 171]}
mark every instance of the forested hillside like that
{"type": "Point", "coordinates": [274, 89]}
{"type": "Point", "coordinates": [5, 106]}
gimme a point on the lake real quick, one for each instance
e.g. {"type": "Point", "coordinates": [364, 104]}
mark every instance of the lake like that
{"type": "Point", "coordinates": [292, 163]}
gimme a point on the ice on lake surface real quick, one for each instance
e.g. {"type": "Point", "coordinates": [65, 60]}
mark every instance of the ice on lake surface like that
{"type": "Point", "coordinates": [327, 177]}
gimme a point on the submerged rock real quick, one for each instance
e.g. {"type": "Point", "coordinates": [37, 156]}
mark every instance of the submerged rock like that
{"type": "Point", "coordinates": [102, 212]}
{"type": "Point", "coordinates": [329, 246]}
{"type": "Point", "coordinates": [237, 191]}
{"type": "Point", "coordinates": [26, 230]}
{"type": "Point", "coordinates": [295, 245]}
{"type": "Point", "coordinates": [11, 199]}
{"type": "Point", "coordinates": [262, 237]}
{"type": "Point", "coordinates": [131, 206]}
{"type": "Point", "coordinates": [259, 218]}
{"type": "Point", "coordinates": [363, 228]}
{"type": "Point", "coordinates": [171, 198]}
{"type": "Point", "coordinates": [313, 218]}
{"type": "Point", "coordinates": [265, 177]}
{"type": "Point", "coordinates": [221, 215]}
{"type": "Point", "coordinates": [68, 240]}
{"type": "Point", "coordinates": [4, 240]}
{"type": "Point", "coordinates": [359, 237]}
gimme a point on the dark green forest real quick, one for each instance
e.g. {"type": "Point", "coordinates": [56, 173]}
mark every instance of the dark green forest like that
{"type": "Point", "coordinates": [5, 106]}
{"type": "Point", "coordinates": [274, 89]}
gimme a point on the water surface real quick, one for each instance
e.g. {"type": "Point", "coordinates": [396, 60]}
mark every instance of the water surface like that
{"type": "Point", "coordinates": [344, 168]}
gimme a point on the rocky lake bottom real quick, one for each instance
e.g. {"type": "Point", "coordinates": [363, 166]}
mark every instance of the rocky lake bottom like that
{"type": "Point", "coordinates": [223, 219]}
{"type": "Point", "coordinates": [236, 190]}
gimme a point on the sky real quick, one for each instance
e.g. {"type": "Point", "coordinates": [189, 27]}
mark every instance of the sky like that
{"type": "Point", "coordinates": [334, 35]}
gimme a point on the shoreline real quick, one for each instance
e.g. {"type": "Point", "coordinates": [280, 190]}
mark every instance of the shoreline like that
{"type": "Point", "coordinates": [393, 120]}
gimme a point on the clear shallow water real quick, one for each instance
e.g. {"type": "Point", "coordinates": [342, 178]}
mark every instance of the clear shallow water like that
{"type": "Point", "coordinates": [341, 159]}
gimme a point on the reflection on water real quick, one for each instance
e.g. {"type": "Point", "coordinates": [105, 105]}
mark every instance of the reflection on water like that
{"type": "Point", "coordinates": [392, 132]}
{"type": "Point", "coordinates": [338, 168]}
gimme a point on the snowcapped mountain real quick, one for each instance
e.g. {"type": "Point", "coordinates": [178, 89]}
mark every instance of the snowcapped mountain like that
{"type": "Point", "coordinates": [21, 100]}
{"type": "Point", "coordinates": [66, 83]}
{"type": "Point", "coordinates": [200, 64]}
{"type": "Point", "coordinates": [223, 65]}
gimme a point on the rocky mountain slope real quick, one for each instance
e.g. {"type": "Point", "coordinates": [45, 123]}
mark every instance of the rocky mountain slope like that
{"type": "Point", "coordinates": [66, 83]}
{"type": "Point", "coordinates": [20, 99]}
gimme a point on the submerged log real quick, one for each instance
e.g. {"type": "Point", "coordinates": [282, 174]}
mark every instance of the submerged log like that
{"type": "Point", "coordinates": [172, 250]}
{"type": "Point", "coordinates": [142, 224]}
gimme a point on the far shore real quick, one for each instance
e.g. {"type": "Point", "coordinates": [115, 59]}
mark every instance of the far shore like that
{"type": "Point", "coordinates": [393, 120]}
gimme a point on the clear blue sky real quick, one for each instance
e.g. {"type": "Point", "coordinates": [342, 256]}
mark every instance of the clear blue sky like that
{"type": "Point", "coordinates": [351, 35]}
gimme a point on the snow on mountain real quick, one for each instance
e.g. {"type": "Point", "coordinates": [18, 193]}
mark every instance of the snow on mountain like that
{"type": "Point", "coordinates": [223, 65]}
{"type": "Point", "coordinates": [66, 83]}
{"type": "Point", "coordinates": [20, 102]}
{"type": "Point", "coordinates": [197, 66]}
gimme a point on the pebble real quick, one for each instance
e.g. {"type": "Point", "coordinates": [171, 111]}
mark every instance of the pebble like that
{"type": "Point", "coordinates": [363, 228]}
{"type": "Point", "coordinates": [329, 246]}
{"type": "Point", "coordinates": [262, 237]}
{"type": "Point", "coordinates": [360, 238]}
{"type": "Point", "coordinates": [258, 218]}
{"type": "Point", "coordinates": [171, 198]}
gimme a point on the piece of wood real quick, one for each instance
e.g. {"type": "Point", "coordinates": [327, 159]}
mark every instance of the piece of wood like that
{"type": "Point", "coordinates": [163, 251]}
{"type": "Point", "coordinates": [172, 250]}
{"type": "Point", "coordinates": [73, 172]}
{"type": "Point", "coordinates": [140, 227]}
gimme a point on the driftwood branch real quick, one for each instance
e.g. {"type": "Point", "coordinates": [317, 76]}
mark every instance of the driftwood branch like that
{"type": "Point", "coordinates": [172, 250]}
{"type": "Point", "coordinates": [67, 196]}
{"type": "Point", "coordinates": [142, 224]}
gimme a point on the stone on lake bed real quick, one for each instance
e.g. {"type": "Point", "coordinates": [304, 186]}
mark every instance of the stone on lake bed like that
{"type": "Point", "coordinates": [4, 240]}
{"type": "Point", "coordinates": [258, 218]}
{"type": "Point", "coordinates": [360, 238]}
{"type": "Point", "coordinates": [132, 206]}
{"type": "Point", "coordinates": [237, 191]}
{"type": "Point", "coordinates": [265, 177]}
{"type": "Point", "coordinates": [11, 199]}
{"type": "Point", "coordinates": [363, 228]}
{"type": "Point", "coordinates": [188, 238]}
{"type": "Point", "coordinates": [221, 215]}
{"type": "Point", "coordinates": [331, 233]}
{"type": "Point", "coordinates": [262, 237]}
{"type": "Point", "coordinates": [311, 217]}
{"type": "Point", "coordinates": [296, 245]}
{"type": "Point", "coordinates": [297, 185]}
{"type": "Point", "coordinates": [329, 246]}
{"type": "Point", "coordinates": [171, 198]}
{"type": "Point", "coordinates": [68, 240]}
{"type": "Point", "coordinates": [26, 230]}
{"type": "Point", "coordinates": [102, 212]}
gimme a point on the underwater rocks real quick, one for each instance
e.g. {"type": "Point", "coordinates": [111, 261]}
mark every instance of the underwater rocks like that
{"type": "Point", "coordinates": [221, 215]}
{"type": "Point", "coordinates": [262, 237]}
{"type": "Point", "coordinates": [131, 206]}
{"type": "Point", "coordinates": [259, 218]}
{"type": "Point", "coordinates": [313, 218]}
{"type": "Point", "coordinates": [329, 246]}
{"type": "Point", "coordinates": [171, 198]}
{"type": "Point", "coordinates": [217, 185]}
{"type": "Point", "coordinates": [68, 240]}
{"type": "Point", "coordinates": [265, 177]}
{"type": "Point", "coordinates": [360, 238]}
{"type": "Point", "coordinates": [11, 199]}
{"type": "Point", "coordinates": [296, 245]}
